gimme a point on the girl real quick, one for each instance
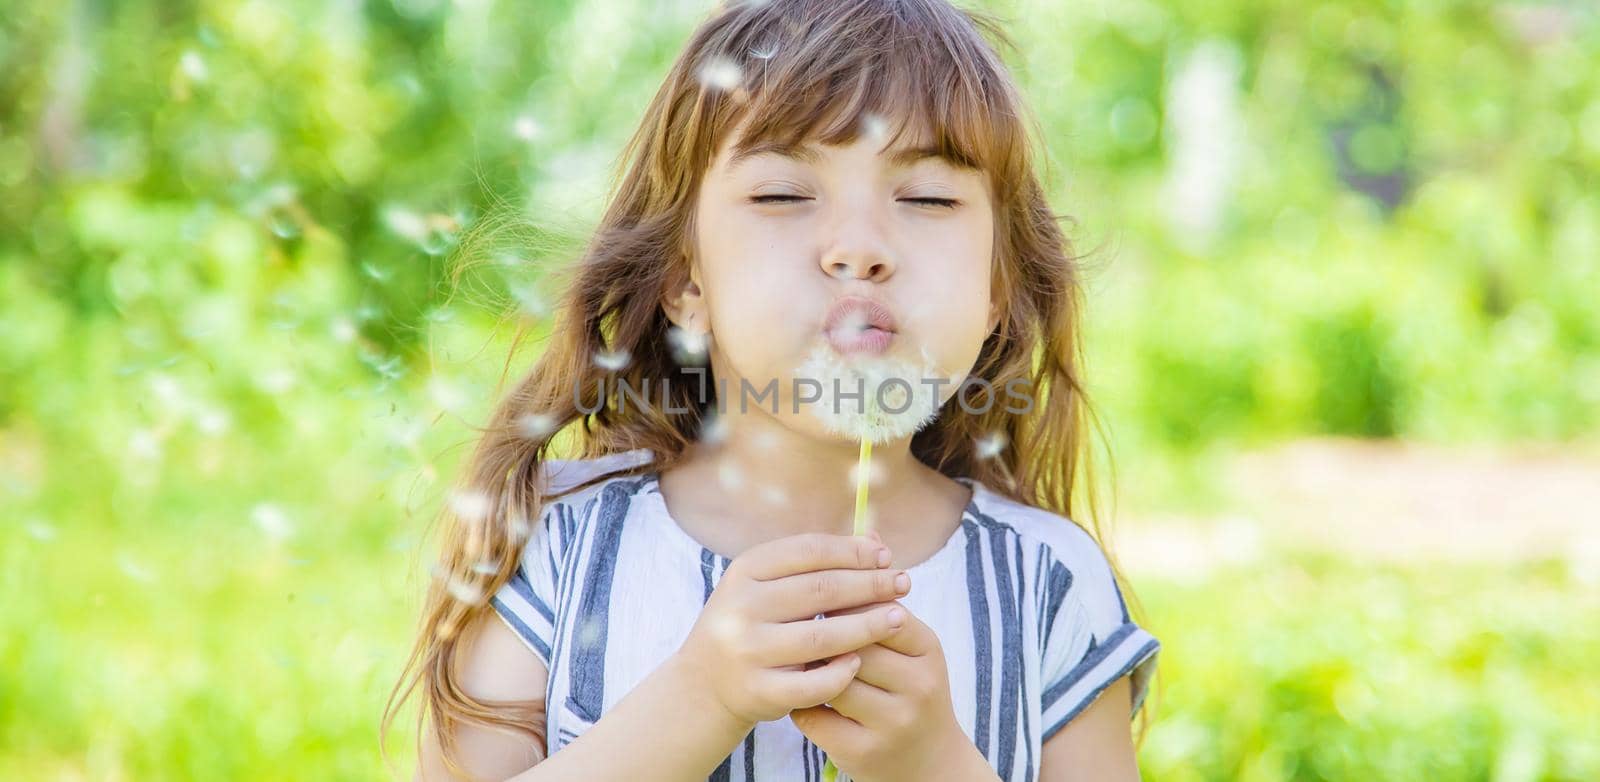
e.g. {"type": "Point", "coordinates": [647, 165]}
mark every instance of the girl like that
{"type": "Point", "coordinates": [681, 598]}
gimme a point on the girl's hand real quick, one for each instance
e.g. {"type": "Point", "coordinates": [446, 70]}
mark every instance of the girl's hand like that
{"type": "Point", "coordinates": [752, 642]}
{"type": "Point", "coordinates": [894, 721]}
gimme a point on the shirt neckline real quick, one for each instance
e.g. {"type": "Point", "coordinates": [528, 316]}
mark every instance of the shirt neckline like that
{"type": "Point", "coordinates": [650, 487]}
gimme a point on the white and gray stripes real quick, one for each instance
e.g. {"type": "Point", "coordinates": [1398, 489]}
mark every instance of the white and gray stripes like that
{"type": "Point", "coordinates": [1029, 619]}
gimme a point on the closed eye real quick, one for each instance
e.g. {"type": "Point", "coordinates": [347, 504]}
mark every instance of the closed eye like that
{"type": "Point", "coordinates": [943, 203]}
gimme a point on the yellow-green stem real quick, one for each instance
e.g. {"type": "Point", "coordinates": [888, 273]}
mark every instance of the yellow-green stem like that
{"type": "Point", "coordinates": [830, 773]}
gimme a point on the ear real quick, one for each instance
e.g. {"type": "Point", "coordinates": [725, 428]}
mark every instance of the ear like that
{"type": "Point", "coordinates": [685, 305]}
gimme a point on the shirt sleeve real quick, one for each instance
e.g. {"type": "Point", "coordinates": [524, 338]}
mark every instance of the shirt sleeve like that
{"type": "Point", "coordinates": [1090, 640]}
{"type": "Point", "coordinates": [527, 601]}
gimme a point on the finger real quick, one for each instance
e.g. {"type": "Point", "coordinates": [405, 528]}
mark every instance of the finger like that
{"type": "Point", "coordinates": [815, 639]}
{"type": "Point", "coordinates": [818, 685]}
{"type": "Point", "coordinates": [804, 595]}
{"type": "Point", "coordinates": [835, 733]}
{"type": "Point", "coordinates": [887, 669]}
{"type": "Point", "coordinates": [811, 551]}
{"type": "Point", "coordinates": [915, 639]}
{"type": "Point", "coordinates": [866, 704]}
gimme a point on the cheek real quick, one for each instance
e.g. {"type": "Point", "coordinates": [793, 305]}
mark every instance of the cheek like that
{"type": "Point", "coordinates": [762, 304]}
{"type": "Point", "coordinates": [953, 297]}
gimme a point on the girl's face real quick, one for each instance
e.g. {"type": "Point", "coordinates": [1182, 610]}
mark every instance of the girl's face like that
{"type": "Point", "coordinates": [783, 235]}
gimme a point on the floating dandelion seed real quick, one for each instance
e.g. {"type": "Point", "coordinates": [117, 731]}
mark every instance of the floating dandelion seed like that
{"type": "Point", "coordinates": [342, 329]}
{"type": "Point", "coordinates": [689, 348]}
{"type": "Point", "coordinates": [167, 389]}
{"type": "Point", "coordinates": [485, 568]}
{"type": "Point", "coordinates": [445, 394]}
{"type": "Point", "coordinates": [525, 128]}
{"type": "Point", "coordinates": [465, 592]}
{"type": "Point", "coordinates": [144, 444]}
{"type": "Point", "coordinates": [213, 421]}
{"type": "Point", "coordinates": [613, 360]}
{"type": "Point", "coordinates": [774, 495]}
{"type": "Point", "coordinates": [589, 630]}
{"type": "Point", "coordinates": [720, 73]}
{"type": "Point", "coordinates": [872, 471]}
{"type": "Point", "coordinates": [765, 51]}
{"type": "Point", "coordinates": [193, 66]}
{"type": "Point", "coordinates": [135, 569]}
{"type": "Point", "coordinates": [730, 476]}
{"type": "Point", "coordinates": [272, 521]}
{"type": "Point", "coordinates": [521, 528]}
{"type": "Point", "coordinates": [766, 439]}
{"type": "Point", "coordinates": [41, 530]}
{"type": "Point", "coordinates": [529, 302]}
{"type": "Point", "coordinates": [376, 273]}
{"type": "Point", "coordinates": [406, 223]}
{"type": "Point", "coordinates": [276, 381]}
{"type": "Point", "coordinates": [875, 128]}
{"type": "Point", "coordinates": [714, 431]}
{"type": "Point", "coordinates": [991, 444]}
{"type": "Point", "coordinates": [470, 505]}
{"type": "Point", "coordinates": [458, 588]}
{"type": "Point", "coordinates": [536, 426]}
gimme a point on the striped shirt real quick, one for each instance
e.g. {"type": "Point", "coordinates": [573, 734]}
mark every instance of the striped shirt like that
{"type": "Point", "coordinates": [1030, 620]}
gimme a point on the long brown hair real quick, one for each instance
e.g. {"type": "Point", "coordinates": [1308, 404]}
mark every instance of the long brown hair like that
{"type": "Point", "coordinates": [794, 70]}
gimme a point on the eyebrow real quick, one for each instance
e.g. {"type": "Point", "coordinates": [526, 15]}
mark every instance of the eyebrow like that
{"type": "Point", "coordinates": [807, 153]}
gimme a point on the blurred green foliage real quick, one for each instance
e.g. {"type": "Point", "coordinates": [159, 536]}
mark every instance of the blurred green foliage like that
{"type": "Point", "coordinates": [235, 376]}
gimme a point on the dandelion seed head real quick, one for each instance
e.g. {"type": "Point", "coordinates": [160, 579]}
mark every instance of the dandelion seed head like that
{"type": "Point", "coordinates": [614, 360]}
{"type": "Point", "coordinates": [720, 73]}
{"type": "Point", "coordinates": [908, 403]}
{"type": "Point", "coordinates": [470, 505]}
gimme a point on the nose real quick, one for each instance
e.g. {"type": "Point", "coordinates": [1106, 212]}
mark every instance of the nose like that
{"type": "Point", "coordinates": [858, 251]}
